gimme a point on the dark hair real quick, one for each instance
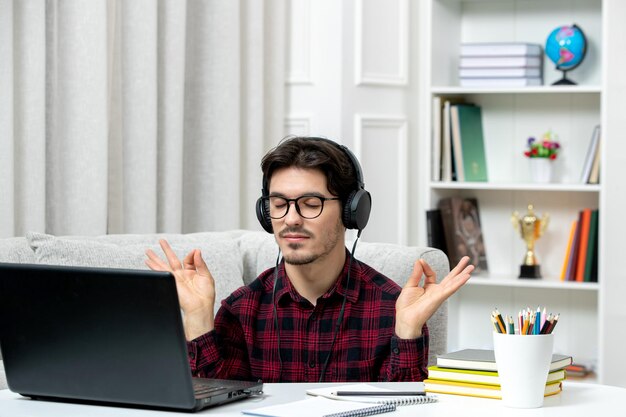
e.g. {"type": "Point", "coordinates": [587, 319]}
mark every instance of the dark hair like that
{"type": "Point", "coordinates": [312, 153]}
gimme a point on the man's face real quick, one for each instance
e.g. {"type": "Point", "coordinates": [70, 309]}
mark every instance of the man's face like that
{"type": "Point", "coordinates": [303, 241]}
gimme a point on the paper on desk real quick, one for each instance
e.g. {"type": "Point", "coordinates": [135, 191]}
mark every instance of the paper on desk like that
{"type": "Point", "coordinates": [311, 407]}
{"type": "Point", "coordinates": [329, 392]}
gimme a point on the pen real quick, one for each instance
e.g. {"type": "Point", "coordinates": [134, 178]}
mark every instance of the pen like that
{"type": "Point", "coordinates": [379, 393]}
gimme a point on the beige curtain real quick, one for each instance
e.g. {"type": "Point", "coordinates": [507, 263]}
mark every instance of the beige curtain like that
{"type": "Point", "coordinates": [137, 116]}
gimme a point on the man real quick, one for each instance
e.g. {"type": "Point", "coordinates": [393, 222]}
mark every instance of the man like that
{"type": "Point", "coordinates": [319, 315]}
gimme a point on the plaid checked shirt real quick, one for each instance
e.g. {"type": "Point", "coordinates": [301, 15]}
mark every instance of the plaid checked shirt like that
{"type": "Point", "coordinates": [244, 343]}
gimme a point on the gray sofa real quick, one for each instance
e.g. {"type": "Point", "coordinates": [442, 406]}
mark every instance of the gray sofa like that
{"type": "Point", "coordinates": [235, 258]}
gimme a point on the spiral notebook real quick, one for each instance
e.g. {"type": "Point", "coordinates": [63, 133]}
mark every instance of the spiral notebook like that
{"type": "Point", "coordinates": [329, 392]}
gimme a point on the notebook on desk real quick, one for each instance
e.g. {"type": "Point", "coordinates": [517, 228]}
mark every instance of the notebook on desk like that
{"type": "Point", "coordinates": [101, 335]}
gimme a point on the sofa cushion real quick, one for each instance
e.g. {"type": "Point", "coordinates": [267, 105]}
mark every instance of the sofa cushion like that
{"type": "Point", "coordinates": [220, 252]}
{"type": "Point", "coordinates": [258, 252]}
{"type": "Point", "coordinates": [16, 250]}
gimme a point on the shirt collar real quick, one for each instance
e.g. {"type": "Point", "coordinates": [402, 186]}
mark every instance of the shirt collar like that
{"type": "Point", "coordinates": [284, 286]}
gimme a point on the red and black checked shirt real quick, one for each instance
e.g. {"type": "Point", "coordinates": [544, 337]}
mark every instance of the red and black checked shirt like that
{"type": "Point", "coordinates": [244, 343]}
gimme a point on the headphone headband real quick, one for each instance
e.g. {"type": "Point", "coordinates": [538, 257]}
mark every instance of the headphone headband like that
{"type": "Point", "coordinates": [357, 206]}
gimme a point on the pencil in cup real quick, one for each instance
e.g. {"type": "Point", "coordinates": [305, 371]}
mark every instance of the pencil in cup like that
{"type": "Point", "coordinates": [529, 322]}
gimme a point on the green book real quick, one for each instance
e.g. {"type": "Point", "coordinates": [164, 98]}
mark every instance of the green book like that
{"type": "Point", "coordinates": [472, 142]}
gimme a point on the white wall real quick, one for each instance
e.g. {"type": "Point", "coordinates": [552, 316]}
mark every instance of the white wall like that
{"type": "Point", "coordinates": [351, 77]}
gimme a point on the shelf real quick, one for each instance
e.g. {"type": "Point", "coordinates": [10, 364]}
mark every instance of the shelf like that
{"type": "Point", "coordinates": [453, 185]}
{"type": "Point", "coordinates": [502, 281]}
{"type": "Point", "coordinates": [545, 89]}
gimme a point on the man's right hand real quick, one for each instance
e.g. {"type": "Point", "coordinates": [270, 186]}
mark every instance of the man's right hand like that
{"type": "Point", "coordinates": [195, 286]}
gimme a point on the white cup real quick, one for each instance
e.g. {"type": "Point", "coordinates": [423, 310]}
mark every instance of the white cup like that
{"type": "Point", "coordinates": [523, 363]}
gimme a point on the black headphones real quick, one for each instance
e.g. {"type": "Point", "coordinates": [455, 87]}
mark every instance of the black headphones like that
{"type": "Point", "coordinates": [356, 209]}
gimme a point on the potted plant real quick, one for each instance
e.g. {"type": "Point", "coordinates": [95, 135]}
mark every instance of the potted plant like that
{"type": "Point", "coordinates": [541, 154]}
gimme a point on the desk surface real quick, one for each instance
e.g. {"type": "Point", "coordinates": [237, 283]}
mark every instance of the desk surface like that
{"type": "Point", "coordinates": [577, 399]}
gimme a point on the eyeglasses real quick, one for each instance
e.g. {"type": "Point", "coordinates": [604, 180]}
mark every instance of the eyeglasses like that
{"type": "Point", "coordinates": [307, 206]}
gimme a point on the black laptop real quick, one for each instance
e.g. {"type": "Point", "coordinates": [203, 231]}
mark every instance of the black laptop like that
{"type": "Point", "coordinates": [101, 335]}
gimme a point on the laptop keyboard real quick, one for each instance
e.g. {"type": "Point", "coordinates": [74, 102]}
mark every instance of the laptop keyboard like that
{"type": "Point", "coordinates": [203, 388]}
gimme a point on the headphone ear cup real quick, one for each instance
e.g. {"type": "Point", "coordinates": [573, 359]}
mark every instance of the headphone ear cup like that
{"type": "Point", "coordinates": [357, 209]}
{"type": "Point", "coordinates": [263, 215]}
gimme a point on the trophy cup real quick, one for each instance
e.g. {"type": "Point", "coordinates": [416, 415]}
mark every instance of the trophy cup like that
{"type": "Point", "coordinates": [530, 228]}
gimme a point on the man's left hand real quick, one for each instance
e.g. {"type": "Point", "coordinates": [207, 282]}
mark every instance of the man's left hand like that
{"type": "Point", "coordinates": [416, 304]}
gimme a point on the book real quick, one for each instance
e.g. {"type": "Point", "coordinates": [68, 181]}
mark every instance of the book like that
{"type": "Point", "coordinates": [577, 370]}
{"type": "Point", "coordinates": [447, 167]}
{"type": "Point", "coordinates": [591, 155]}
{"type": "Point", "coordinates": [594, 175]}
{"type": "Point", "coordinates": [500, 62]}
{"type": "Point", "coordinates": [436, 139]}
{"type": "Point", "coordinates": [400, 400]}
{"type": "Point", "coordinates": [461, 225]}
{"type": "Point", "coordinates": [501, 49]}
{"type": "Point", "coordinates": [446, 144]}
{"type": "Point", "coordinates": [591, 275]}
{"type": "Point", "coordinates": [570, 240]}
{"type": "Point", "coordinates": [484, 360]}
{"type": "Point", "coordinates": [499, 72]}
{"type": "Point", "coordinates": [477, 390]}
{"type": "Point", "coordinates": [319, 406]}
{"type": "Point", "coordinates": [570, 274]}
{"type": "Point", "coordinates": [467, 129]}
{"type": "Point", "coordinates": [457, 151]}
{"type": "Point", "coordinates": [501, 82]}
{"type": "Point", "coordinates": [480, 377]}
{"type": "Point", "coordinates": [435, 234]}
{"type": "Point", "coordinates": [582, 246]}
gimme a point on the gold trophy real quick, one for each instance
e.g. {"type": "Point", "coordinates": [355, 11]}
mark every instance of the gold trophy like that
{"type": "Point", "coordinates": [530, 228]}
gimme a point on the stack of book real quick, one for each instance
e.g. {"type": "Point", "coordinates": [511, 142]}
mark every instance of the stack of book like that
{"type": "Point", "coordinates": [581, 256]}
{"type": "Point", "coordinates": [473, 372]}
{"type": "Point", "coordinates": [501, 64]}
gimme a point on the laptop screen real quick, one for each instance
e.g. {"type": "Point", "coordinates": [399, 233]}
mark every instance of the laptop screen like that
{"type": "Point", "coordinates": [94, 334]}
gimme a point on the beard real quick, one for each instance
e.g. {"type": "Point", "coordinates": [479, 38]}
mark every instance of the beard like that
{"type": "Point", "coordinates": [297, 256]}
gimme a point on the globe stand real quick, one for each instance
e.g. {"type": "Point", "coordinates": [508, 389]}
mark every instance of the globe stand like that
{"type": "Point", "coordinates": [564, 80]}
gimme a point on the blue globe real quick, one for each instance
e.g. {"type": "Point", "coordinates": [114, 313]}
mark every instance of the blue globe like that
{"type": "Point", "coordinates": [566, 47]}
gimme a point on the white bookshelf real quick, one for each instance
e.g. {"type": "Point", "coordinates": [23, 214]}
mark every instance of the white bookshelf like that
{"type": "Point", "coordinates": [510, 116]}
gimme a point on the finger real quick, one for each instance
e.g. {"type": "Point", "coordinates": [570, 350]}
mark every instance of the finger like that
{"type": "Point", "coordinates": [455, 282]}
{"type": "Point", "coordinates": [201, 266]}
{"type": "Point", "coordinates": [416, 275]}
{"type": "Point", "coordinates": [170, 255]}
{"type": "Point", "coordinates": [188, 262]}
{"type": "Point", "coordinates": [431, 276]}
{"type": "Point", "coordinates": [460, 266]}
{"type": "Point", "coordinates": [155, 266]}
{"type": "Point", "coordinates": [156, 261]}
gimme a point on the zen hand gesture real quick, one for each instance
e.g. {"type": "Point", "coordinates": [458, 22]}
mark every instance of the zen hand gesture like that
{"type": "Point", "coordinates": [194, 284]}
{"type": "Point", "coordinates": [416, 304]}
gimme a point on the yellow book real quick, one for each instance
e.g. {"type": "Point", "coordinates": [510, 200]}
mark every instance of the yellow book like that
{"type": "Point", "coordinates": [477, 390]}
{"type": "Point", "coordinates": [480, 377]}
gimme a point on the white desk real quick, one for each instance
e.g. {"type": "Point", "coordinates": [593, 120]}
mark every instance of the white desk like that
{"type": "Point", "coordinates": [577, 399]}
